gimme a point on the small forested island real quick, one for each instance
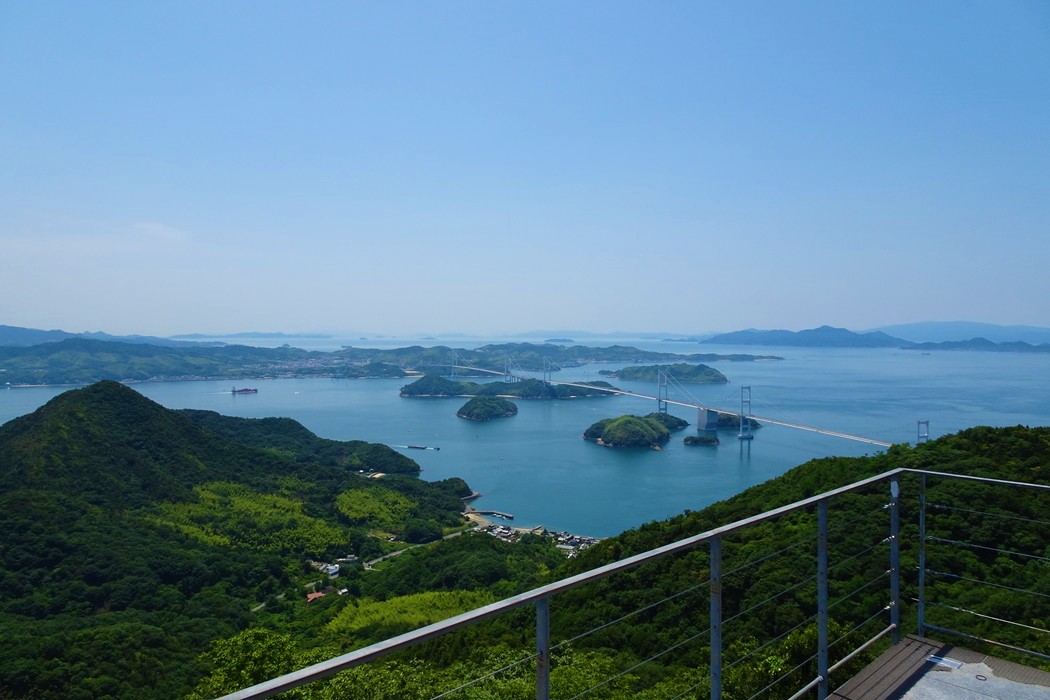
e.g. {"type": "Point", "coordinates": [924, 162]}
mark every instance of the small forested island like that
{"type": "Point", "coordinates": [434, 385]}
{"type": "Point", "coordinates": [652, 430]}
{"type": "Point", "coordinates": [731, 421]}
{"type": "Point", "coordinates": [486, 408]}
{"type": "Point", "coordinates": [691, 374]}
{"type": "Point", "coordinates": [703, 439]}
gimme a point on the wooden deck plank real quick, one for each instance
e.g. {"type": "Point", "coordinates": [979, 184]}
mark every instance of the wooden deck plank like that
{"type": "Point", "coordinates": [890, 675]}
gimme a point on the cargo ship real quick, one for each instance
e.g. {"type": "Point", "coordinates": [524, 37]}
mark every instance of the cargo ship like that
{"type": "Point", "coordinates": [235, 390]}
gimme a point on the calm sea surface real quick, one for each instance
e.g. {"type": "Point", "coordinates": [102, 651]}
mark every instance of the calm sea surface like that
{"type": "Point", "coordinates": [535, 465]}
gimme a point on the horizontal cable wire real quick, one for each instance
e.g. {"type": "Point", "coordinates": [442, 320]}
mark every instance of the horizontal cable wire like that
{"type": "Point", "coordinates": [688, 690]}
{"type": "Point", "coordinates": [989, 641]}
{"type": "Point", "coordinates": [769, 556]}
{"type": "Point", "coordinates": [857, 627]}
{"type": "Point", "coordinates": [770, 599]}
{"type": "Point", "coordinates": [642, 663]}
{"type": "Point", "coordinates": [486, 676]}
{"type": "Point", "coordinates": [630, 614]}
{"type": "Point", "coordinates": [989, 617]}
{"type": "Point", "coordinates": [771, 641]}
{"type": "Point", "coordinates": [858, 554]}
{"type": "Point", "coordinates": [853, 521]}
{"type": "Point", "coordinates": [782, 677]}
{"type": "Point", "coordinates": [990, 549]}
{"type": "Point", "coordinates": [858, 590]}
{"type": "Point", "coordinates": [942, 506]}
{"type": "Point", "coordinates": [986, 583]}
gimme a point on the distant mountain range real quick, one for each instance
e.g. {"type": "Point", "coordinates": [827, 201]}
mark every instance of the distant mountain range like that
{"type": "Point", "coordinates": [829, 337]}
{"type": "Point", "coordinates": [15, 336]}
{"type": "Point", "coordinates": [955, 335]}
{"type": "Point", "coordinates": [823, 337]}
{"type": "Point", "coordinates": [955, 331]}
{"type": "Point", "coordinates": [248, 334]}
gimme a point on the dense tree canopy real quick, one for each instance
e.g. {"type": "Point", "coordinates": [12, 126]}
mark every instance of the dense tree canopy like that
{"type": "Point", "coordinates": [486, 408]}
{"type": "Point", "coordinates": [155, 553]}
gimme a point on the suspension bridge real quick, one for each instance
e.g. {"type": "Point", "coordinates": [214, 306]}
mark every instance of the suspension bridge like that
{"type": "Point", "coordinates": [706, 415]}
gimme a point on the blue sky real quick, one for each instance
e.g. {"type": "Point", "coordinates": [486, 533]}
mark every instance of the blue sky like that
{"type": "Point", "coordinates": [497, 167]}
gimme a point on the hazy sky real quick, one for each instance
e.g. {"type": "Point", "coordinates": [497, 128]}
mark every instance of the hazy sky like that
{"type": "Point", "coordinates": [489, 167]}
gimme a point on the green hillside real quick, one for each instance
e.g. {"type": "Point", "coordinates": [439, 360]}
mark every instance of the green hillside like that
{"type": "Point", "coordinates": [664, 604]}
{"type": "Point", "coordinates": [154, 553]}
{"type": "Point", "coordinates": [132, 536]}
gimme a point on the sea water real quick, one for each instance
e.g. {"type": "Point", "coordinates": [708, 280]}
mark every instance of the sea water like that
{"type": "Point", "coordinates": [536, 466]}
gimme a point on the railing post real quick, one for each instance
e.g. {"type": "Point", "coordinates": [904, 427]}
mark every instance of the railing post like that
{"type": "Point", "coordinates": [822, 599]}
{"type": "Point", "coordinates": [895, 559]}
{"type": "Point", "coordinates": [922, 557]}
{"type": "Point", "coordinates": [716, 617]}
{"type": "Point", "coordinates": [543, 648]}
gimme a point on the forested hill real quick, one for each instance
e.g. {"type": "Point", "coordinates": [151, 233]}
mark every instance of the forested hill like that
{"type": "Point", "coordinates": [154, 553]}
{"type": "Point", "coordinates": [290, 438]}
{"type": "Point", "coordinates": [113, 447]}
{"type": "Point", "coordinates": [663, 605]}
{"type": "Point", "coordinates": [132, 536]}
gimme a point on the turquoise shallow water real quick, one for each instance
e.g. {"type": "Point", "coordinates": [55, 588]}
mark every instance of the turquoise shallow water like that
{"type": "Point", "coordinates": [536, 466]}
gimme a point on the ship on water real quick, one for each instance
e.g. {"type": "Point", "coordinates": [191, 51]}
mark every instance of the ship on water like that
{"type": "Point", "coordinates": [235, 390]}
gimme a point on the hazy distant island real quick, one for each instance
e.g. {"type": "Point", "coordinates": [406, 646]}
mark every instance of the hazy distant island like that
{"type": "Point", "coordinates": [251, 334]}
{"type": "Point", "coordinates": [558, 341]}
{"type": "Point", "coordinates": [823, 337]}
{"type": "Point", "coordinates": [433, 385]}
{"type": "Point", "coordinates": [29, 357]}
{"type": "Point", "coordinates": [16, 336]}
{"type": "Point", "coordinates": [982, 344]}
{"type": "Point", "coordinates": [486, 408]}
{"type": "Point", "coordinates": [652, 430]}
{"type": "Point", "coordinates": [958, 331]}
{"type": "Point", "coordinates": [691, 374]}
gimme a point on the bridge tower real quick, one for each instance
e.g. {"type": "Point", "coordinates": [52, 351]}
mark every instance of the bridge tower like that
{"type": "Point", "coordinates": [745, 414]}
{"type": "Point", "coordinates": [455, 362]}
{"type": "Point", "coordinates": [548, 371]}
{"type": "Point", "coordinates": [508, 375]}
{"type": "Point", "coordinates": [661, 391]}
{"type": "Point", "coordinates": [923, 432]}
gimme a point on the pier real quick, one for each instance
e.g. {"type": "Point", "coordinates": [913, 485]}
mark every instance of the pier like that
{"type": "Point", "coordinates": [498, 514]}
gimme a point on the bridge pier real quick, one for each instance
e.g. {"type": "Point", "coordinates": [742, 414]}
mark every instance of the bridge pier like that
{"type": "Point", "coordinates": [706, 419]}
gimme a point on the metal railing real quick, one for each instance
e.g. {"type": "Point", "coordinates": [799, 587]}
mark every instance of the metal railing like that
{"type": "Point", "coordinates": [887, 575]}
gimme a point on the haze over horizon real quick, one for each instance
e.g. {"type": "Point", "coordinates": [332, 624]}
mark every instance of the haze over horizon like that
{"type": "Point", "coordinates": [494, 168]}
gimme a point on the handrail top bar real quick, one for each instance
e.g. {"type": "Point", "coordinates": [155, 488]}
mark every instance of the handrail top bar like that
{"type": "Point", "coordinates": [984, 479]}
{"type": "Point", "coordinates": [353, 658]}
{"type": "Point", "coordinates": [350, 659]}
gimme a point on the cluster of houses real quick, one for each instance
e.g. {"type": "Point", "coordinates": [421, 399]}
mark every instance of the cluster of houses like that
{"type": "Point", "coordinates": [571, 544]}
{"type": "Point", "coordinates": [566, 541]}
